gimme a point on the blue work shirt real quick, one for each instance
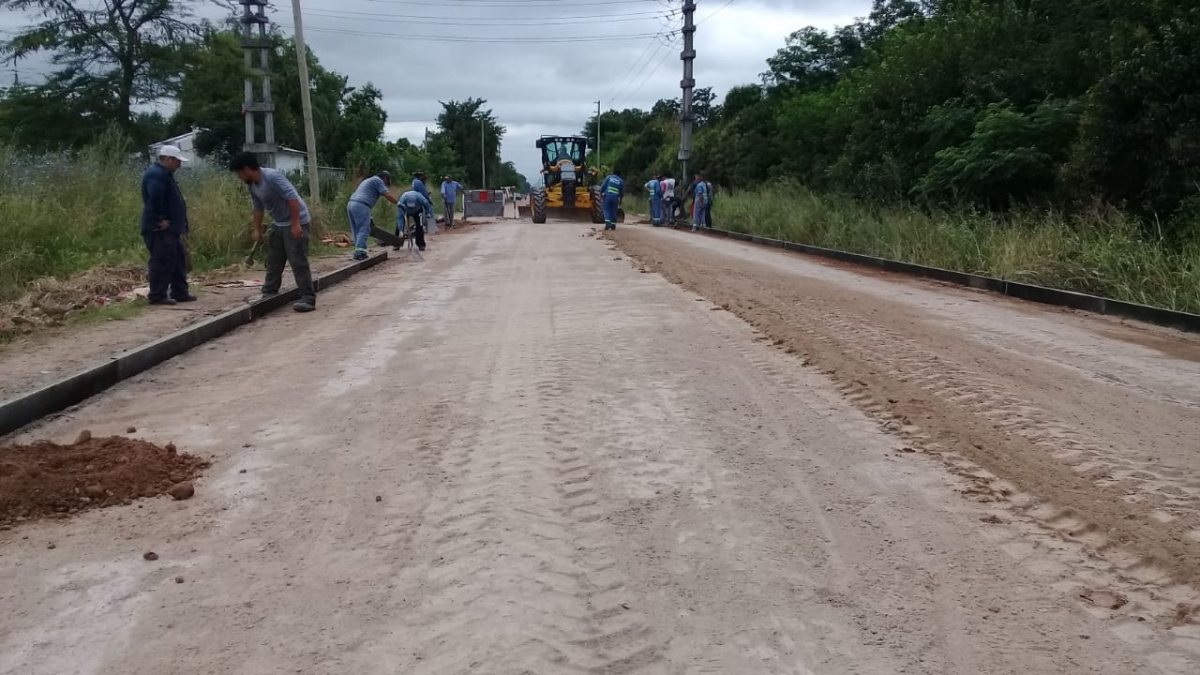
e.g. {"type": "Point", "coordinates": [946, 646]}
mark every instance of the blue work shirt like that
{"type": "Point", "coordinates": [162, 200]}
{"type": "Point", "coordinates": [273, 193]}
{"type": "Point", "coordinates": [369, 191]}
{"type": "Point", "coordinates": [654, 187]}
{"type": "Point", "coordinates": [450, 190]}
{"type": "Point", "coordinates": [419, 186]}
{"type": "Point", "coordinates": [613, 185]}
{"type": "Point", "coordinates": [701, 193]}
{"type": "Point", "coordinates": [413, 202]}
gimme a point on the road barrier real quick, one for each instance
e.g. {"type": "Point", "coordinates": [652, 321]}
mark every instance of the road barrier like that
{"type": "Point", "coordinates": [17, 412]}
{"type": "Point", "coordinates": [483, 203]}
{"type": "Point", "coordinates": [1049, 296]}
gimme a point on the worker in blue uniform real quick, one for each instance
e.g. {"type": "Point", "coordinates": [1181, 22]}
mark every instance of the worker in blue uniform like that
{"type": "Point", "coordinates": [414, 206]}
{"type": "Point", "coordinates": [418, 185]}
{"type": "Point", "coordinates": [612, 190]}
{"type": "Point", "coordinates": [358, 209]}
{"type": "Point", "coordinates": [700, 203]}
{"type": "Point", "coordinates": [654, 189]}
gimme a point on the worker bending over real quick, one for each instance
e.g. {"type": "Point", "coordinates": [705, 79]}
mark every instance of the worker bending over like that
{"type": "Point", "coordinates": [415, 207]}
{"type": "Point", "coordinates": [612, 189]}
{"type": "Point", "coordinates": [358, 209]}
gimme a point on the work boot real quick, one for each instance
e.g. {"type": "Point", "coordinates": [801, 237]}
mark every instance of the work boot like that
{"type": "Point", "coordinates": [186, 298]}
{"type": "Point", "coordinates": [360, 255]}
{"type": "Point", "coordinates": [303, 306]}
{"type": "Point", "coordinates": [165, 301]}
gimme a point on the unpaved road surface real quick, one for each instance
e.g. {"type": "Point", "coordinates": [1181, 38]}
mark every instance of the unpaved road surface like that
{"type": "Point", "coordinates": [526, 455]}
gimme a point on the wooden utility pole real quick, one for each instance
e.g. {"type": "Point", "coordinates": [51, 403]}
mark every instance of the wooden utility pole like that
{"type": "Point", "coordinates": [687, 83]}
{"type": "Point", "coordinates": [310, 136]}
{"type": "Point", "coordinates": [254, 14]}
{"type": "Point", "coordinates": [599, 160]}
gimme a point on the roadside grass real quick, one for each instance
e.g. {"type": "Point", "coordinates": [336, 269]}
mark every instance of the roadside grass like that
{"type": "Point", "coordinates": [64, 214]}
{"type": "Point", "coordinates": [117, 311]}
{"type": "Point", "coordinates": [1102, 253]}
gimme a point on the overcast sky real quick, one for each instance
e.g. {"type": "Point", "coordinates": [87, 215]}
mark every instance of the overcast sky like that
{"type": "Point", "coordinates": [541, 64]}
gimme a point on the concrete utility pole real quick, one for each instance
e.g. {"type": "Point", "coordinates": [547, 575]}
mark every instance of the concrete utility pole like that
{"type": "Point", "coordinates": [599, 162]}
{"type": "Point", "coordinates": [254, 13]}
{"type": "Point", "coordinates": [482, 154]}
{"type": "Point", "coordinates": [687, 83]}
{"type": "Point", "coordinates": [310, 136]}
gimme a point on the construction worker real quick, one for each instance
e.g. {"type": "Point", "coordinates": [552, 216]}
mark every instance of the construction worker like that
{"type": "Point", "coordinates": [415, 207]}
{"type": "Point", "coordinates": [668, 193]}
{"type": "Point", "coordinates": [612, 189]}
{"type": "Point", "coordinates": [358, 209]}
{"type": "Point", "coordinates": [699, 201]}
{"type": "Point", "coordinates": [418, 185]}
{"type": "Point", "coordinates": [450, 190]}
{"type": "Point", "coordinates": [164, 223]}
{"type": "Point", "coordinates": [271, 191]}
{"type": "Point", "coordinates": [711, 197]}
{"type": "Point", "coordinates": [654, 189]}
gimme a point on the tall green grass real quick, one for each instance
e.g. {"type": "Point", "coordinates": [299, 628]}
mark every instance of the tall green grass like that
{"type": "Point", "coordinates": [1102, 252]}
{"type": "Point", "coordinates": [63, 214]}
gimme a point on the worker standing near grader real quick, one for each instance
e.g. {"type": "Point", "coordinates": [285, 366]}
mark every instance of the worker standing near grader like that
{"type": "Point", "coordinates": [613, 190]}
{"type": "Point", "coordinates": [654, 189]}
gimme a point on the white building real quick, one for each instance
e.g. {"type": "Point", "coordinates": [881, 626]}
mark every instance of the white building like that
{"type": "Point", "coordinates": [185, 142]}
{"type": "Point", "coordinates": [287, 160]}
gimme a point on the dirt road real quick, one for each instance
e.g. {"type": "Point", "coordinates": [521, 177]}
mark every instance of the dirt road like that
{"type": "Point", "coordinates": [527, 456]}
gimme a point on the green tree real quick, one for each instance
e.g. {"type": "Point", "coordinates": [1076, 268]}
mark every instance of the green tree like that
{"type": "Point", "coordinates": [126, 51]}
{"type": "Point", "coordinates": [474, 136]}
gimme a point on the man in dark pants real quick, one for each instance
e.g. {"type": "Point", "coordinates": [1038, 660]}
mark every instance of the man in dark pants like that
{"type": "Point", "coordinates": [412, 205]}
{"type": "Point", "coordinates": [164, 222]}
{"type": "Point", "coordinates": [271, 192]}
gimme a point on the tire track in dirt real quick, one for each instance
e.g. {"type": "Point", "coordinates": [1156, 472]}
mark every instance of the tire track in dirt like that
{"type": "Point", "coordinates": [520, 575]}
{"type": "Point", "coordinates": [1012, 452]}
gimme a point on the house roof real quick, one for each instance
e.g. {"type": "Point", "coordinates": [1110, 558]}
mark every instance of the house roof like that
{"type": "Point", "coordinates": [173, 139]}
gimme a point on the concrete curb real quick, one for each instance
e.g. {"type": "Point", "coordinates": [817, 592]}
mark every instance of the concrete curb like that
{"type": "Point", "coordinates": [17, 412]}
{"type": "Point", "coordinates": [1050, 296]}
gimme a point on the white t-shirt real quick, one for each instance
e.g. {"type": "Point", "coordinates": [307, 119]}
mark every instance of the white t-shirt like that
{"type": "Point", "coordinates": [669, 187]}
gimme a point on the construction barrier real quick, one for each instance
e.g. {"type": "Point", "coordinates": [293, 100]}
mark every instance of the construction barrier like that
{"type": "Point", "coordinates": [483, 204]}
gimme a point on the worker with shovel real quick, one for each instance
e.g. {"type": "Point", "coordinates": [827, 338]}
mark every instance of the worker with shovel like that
{"type": "Point", "coordinates": [450, 190]}
{"type": "Point", "coordinates": [415, 207]}
{"type": "Point", "coordinates": [358, 209]}
{"type": "Point", "coordinates": [271, 192]}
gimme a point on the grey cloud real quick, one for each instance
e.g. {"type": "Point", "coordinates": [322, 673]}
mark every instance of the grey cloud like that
{"type": "Point", "coordinates": [534, 87]}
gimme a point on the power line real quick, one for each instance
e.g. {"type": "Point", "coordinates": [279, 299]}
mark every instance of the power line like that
{"type": "Point", "coordinates": [624, 78]}
{"type": "Point", "coordinates": [486, 39]}
{"type": "Point", "coordinates": [667, 45]}
{"type": "Point", "coordinates": [649, 75]}
{"type": "Point", "coordinates": [445, 21]}
{"type": "Point", "coordinates": [715, 12]}
{"type": "Point", "coordinates": [506, 4]}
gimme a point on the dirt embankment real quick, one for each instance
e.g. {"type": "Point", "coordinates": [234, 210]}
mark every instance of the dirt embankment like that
{"type": "Point", "coordinates": [1072, 453]}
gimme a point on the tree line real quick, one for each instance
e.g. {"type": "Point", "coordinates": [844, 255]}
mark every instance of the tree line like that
{"type": "Point", "coordinates": [112, 60]}
{"type": "Point", "coordinates": [992, 104]}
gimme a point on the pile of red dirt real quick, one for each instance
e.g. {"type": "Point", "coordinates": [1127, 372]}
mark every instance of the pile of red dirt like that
{"type": "Point", "coordinates": [48, 479]}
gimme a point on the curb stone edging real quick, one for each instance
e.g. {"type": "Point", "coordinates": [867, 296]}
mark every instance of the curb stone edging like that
{"type": "Point", "coordinates": [1183, 321]}
{"type": "Point", "coordinates": [17, 412]}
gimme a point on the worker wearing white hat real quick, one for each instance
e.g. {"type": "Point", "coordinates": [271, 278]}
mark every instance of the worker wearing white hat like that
{"type": "Point", "coordinates": [164, 223]}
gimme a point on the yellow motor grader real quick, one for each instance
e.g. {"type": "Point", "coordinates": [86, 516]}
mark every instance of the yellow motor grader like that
{"type": "Point", "coordinates": [570, 189]}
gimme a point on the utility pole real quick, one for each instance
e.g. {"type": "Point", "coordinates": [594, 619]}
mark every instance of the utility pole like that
{"type": "Point", "coordinates": [254, 14]}
{"type": "Point", "coordinates": [310, 136]}
{"type": "Point", "coordinates": [482, 154]}
{"type": "Point", "coordinates": [687, 83]}
{"type": "Point", "coordinates": [599, 159]}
